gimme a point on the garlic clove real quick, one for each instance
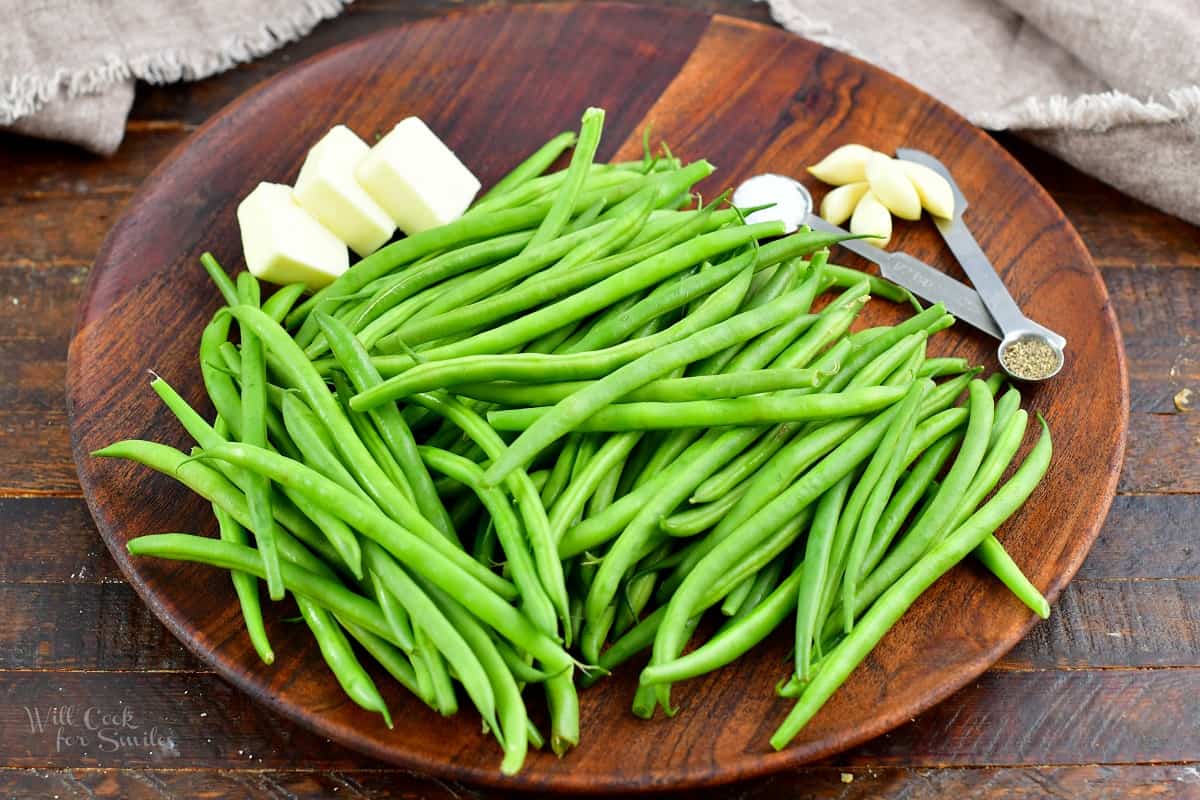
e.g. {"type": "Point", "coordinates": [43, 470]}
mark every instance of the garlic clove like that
{"type": "Point", "coordinates": [892, 186]}
{"type": "Point", "coordinates": [846, 164]}
{"type": "Point", "coordinates": [839, 203]}
{"type": "Point", "coordinates": [936, 195]}
{"type": "Point", "coordinates": [872, 218]}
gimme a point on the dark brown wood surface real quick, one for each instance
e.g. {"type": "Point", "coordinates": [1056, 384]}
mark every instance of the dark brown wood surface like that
{"type": "Point", "coordinates": [1062, 714]}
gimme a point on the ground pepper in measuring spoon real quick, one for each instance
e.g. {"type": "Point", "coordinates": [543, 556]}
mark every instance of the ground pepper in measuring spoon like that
{"type": "Point", "coordinates": [1031, 358]}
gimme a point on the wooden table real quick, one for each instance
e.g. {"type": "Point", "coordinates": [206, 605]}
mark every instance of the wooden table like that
{"type": "Point", "coordinates": [1103, 699]}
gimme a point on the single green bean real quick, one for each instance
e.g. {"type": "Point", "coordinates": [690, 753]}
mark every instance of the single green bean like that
{"type": "Point", "coordinates": [559, 213]}
{"type": "Point", "coordinates": [246, 588]}
{"type": "Point", "coordinates": [535, 164]}
{"type": "Point", "coordinates": [732, 641]}
{"type": "Point", "coordinates": [665, 390]}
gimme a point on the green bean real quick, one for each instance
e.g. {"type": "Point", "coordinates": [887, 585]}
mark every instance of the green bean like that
{"type": "Point", "coordinates": [393, 660]}
{"type": "Point", "coordinates": [751, 591]}
{"type": "Point", "coordinates": [606, 487]}
{"type": "Point", "coordinates": [905, 498]}
{"type": "Point", "coordinates": [472, 227]}
{"type": "Point", "coordinates": [393, 612]}
{"type": "Point", "coordinates": [732, 641]}
{"type": "Point", "coordinates": [771, 517]}
{"type": "Point", "coordinates": [535, 601]}
{"type": "Point", "coordinates": [867, 502]}
{"type": "Point", "coordinates": [373, 442]}
{"type": "Point", "coordinates": [277, 305]}
{"type": "Point", "coordinates": [560, 473]}
{"type": "Point", "coordinates": [788, 462]}
{"type": "Point", "coordinates": [517, 664]}
{"type": "Point", "coordinates": [666, 390]}
{"type": "Point", "coordinates": [299, 373]}
{"type": "Point", "coordinates": [333, 530]}
{"type": "Point", "coordinates": [672, 296]}
{"type": "Point", "coordinates": [605, 525]}
{"type": "Point", "coordinates": [535, 164]}
{"type": "Point", "coordinates": [437, 673]}
{"type": "Point", "coordinates": [930, 527]}
{"type": "Point", "coordinates": [563, 702]}
{"type": "Point", "coordinates": [564, 202]}
{"type": "Point", "coordinates": [755, 410]}
{"type": "Point", "coordinates": [391, 426]}
{"type": "Point", "coordinates": [514, 721]}
{"type": "Point", "coordinates": [782, 280]}
{"type": "Point", "coordinates": [246, 588]}
{"type": "Point", "coordinates": [538, 368]}
{"type": "Point", "coordinates": [1006, 406]}
{"type": "Point", "coordinates": [446, 636]}
{"type": "Point", "coordinates": [993, 556]}
{"type": "Point", "coordinates": [815, 578]}
{"type": "Point", "coordinates": [700, 517]}
{"type": "Point", "coordinates": [537, 526]}
{"type": "Point", "coordinates": [448, 572]}
{"type": "Point", "coordinates": [902, 593]}
{"type": "Point", "coordinates": [601, 294]}
{"type": "Point", "coordinates": [530, 261]}
{"type": "Point", "coordinates": [715, 449]}
{"type": "Point", "coordinates": [470, 307]}
{"type": "Point", "coordinates": [844, 277]}
{"type": "Point", "coordinates": [588, 217]}
{"type": "Point", "coordinates": [253, 430]}
{"type": "Point", "coordinates": [790, 346]}
{"type": "Point", "coordinates": [569, 413]}
{"type": "Point", "coordinates": [542, 187]}
{"type": "Point", "coordinates": [449, 269]}
{"type": "Point", "coordinates": [336, 651]}
{"type": "Point", "coordinates": [746, 464]}
{"type": "Point", "coordinates": [990, 552]}
{"type": "Point", "coordinates": [217, 383]}
{"type": "Point", "coordinates": [327, 592]}
{"type": "Point", "coordinates": [315, 445]}
{"type": "Point", "coordinates": [938, 367]}
{"type": "Point", "coordinates": [222, 281]}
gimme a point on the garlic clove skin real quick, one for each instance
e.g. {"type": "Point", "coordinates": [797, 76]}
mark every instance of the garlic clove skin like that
{"type": "Point", "coordinates": [846, 164]}
{"type": "Point", "coordinates": [839, 203]}
{"type": "Point", "coordinates": [936, 195]}
{"type": "Point", "coordinates": [891, 186]}
{"type": "Point", "coordinates": [872, 218]}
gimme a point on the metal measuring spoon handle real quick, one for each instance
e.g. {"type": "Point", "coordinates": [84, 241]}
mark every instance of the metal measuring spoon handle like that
{"type": "Point", "coordinates": [995, 295]}
{"type": "Point", "coordinates": [921, 279]}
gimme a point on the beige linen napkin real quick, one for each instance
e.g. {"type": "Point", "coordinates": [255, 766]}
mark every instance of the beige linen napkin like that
{"type": "Point", "coordinates": [1110, 86]}
{"type": "Point", "coordinates": [68, 67]}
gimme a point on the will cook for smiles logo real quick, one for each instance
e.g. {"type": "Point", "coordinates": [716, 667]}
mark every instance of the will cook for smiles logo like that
{"type": "Point", "coordinates": [94, 729]}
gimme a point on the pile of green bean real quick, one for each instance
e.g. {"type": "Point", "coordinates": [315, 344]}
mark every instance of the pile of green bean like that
{"type": "Point", "coordinates": [559, 431]}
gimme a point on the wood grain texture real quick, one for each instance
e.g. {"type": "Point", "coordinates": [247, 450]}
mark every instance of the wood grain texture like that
{"type": "Point", "coordinates": [1096, 782]}
{"type": "Point", "coordinates": [1001, 719]}
{"type": "Point", "coordinates": [746, 97]}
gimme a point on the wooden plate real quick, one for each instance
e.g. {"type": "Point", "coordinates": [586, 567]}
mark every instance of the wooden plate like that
{"type": "Point", "coordinates": [495, 84]}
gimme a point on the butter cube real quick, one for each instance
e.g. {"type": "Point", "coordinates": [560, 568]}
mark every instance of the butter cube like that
{"type": "Point", "coordinates": [417, 178]}
{"type": "Point", "coordinates": [326, 188]}
{"type": "Point", "coordinates": [283, 243]}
